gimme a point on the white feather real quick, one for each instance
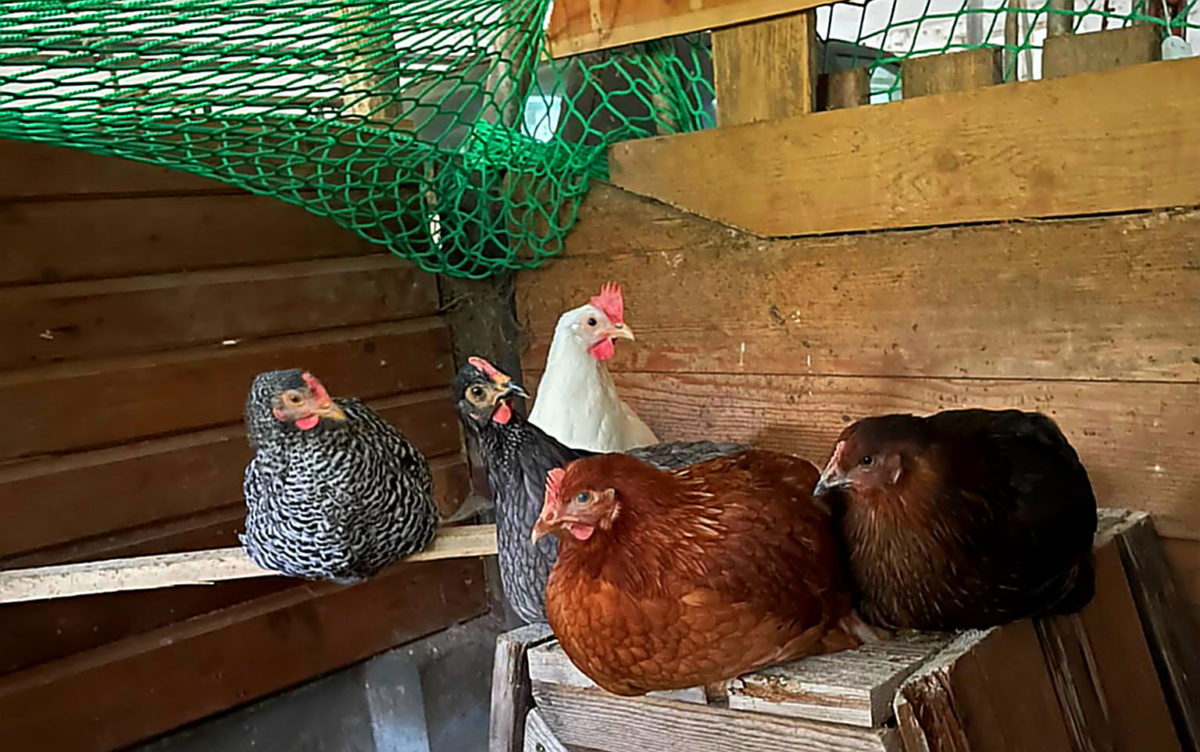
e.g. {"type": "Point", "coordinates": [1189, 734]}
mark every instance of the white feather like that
{"type": "Point", "coordinates": [577, 402]}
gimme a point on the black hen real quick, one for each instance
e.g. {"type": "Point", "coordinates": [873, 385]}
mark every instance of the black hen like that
{"type": "Point", "coordinates": [967, 518]}
{"type": "Point", "coordinates": [518, 456]}
{"type": "Point", "coordinates": [333, 491]}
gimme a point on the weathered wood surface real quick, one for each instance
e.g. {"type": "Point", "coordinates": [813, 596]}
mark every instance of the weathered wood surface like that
{"type": "Point", "coordinates": [196, 568]}
{"type": "Point", "coordinates": [538, 737]}
{"type": "Point", "coordinates": [144, 396]}
{"type": "Point", "coordinates": [983, 155]}
{"type": "Point", "coordinates": [129, 315]}
{"type": "Point", "coordinates": [766, 70]}
{"type": "Point", "coordinates": [90, 238]}
{"type": "Point", "coordinates": [841, 89]}
{"type": "Point", "coordinates": [121, 693]}
{"type": "Point", "coordinates": [578, 26]}
{"type": "Point", "coordinates": [855, 687]}
{"type": "Point", "coordinates": [953, 72]}
{"type": "Point", "coordinates": [512, 697]}
{"type": "Point", "coordinates": [1170, 634]}
{"type": "Point", "coordinates": [1068, 54]}
{"type": "Point", "coordinates": [1112, 302]}
{"type": "Point", "coordinates": [593, 719]}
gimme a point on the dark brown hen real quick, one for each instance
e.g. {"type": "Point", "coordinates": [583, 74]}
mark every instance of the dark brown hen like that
{"type": "Point", "coordinates": [964, 519]}
{"type": "Point", "coordinates": [675, 579]}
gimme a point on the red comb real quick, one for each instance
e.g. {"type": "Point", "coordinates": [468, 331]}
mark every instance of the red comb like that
{"type": "Point", "coordinates": [610, 301]}
{"type": "Point", "coordinates": [317, 388]}
{"type": "Point", "coordinates": [553, 486]}
{"type": "Point", "coordinates": [488, 369]}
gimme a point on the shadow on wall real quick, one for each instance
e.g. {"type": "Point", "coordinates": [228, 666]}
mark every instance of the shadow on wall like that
{"type": "Point", "coordinates": [432, 695]}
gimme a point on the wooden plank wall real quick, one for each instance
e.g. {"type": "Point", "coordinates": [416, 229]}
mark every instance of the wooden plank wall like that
{"type": "Point", "coordinates": [783, 342]}
{"type": "Point", "coordinates": [136, 304]}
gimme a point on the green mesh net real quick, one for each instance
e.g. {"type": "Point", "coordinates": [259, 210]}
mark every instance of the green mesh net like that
{"type": "Point", "coordinates": [436, 128]}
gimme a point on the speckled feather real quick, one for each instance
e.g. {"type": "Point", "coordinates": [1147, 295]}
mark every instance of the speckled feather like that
{"type": "Point", "coordinates": [340, 501]}
{"type": "Point", "coordinates": [706, 573]}
{"type": "Point", "coordinates": [517, 456]}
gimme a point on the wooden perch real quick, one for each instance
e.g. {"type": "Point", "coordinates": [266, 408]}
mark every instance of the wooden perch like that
{"type": "Point", "coordinates": [195, 568]}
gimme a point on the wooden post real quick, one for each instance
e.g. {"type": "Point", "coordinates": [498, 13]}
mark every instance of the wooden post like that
{"type": "Point", "coordinates": [511, 695]}
{"type": "Point", "coordinates": [765, 70]}
{"type": "Point", "coordinates": [842, 89]}
{"type": "Point", "coordinates": [1101, 50]}
{"type": "Point", "coordinates": [1012, 39]}
{"type": "Point", "coordinates": [1059, 23]}
{"type": "Point", "coordinates": [367, 47]}
{"type": "Point", "coordinates": [953, 72]}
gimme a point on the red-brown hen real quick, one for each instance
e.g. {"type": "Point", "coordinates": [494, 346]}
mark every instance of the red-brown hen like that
{"type": "Point", "coordinates": [668, 580]}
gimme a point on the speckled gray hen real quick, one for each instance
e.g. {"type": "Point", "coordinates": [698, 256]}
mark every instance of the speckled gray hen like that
{"type": "Point", "coordinates": [333, 492]}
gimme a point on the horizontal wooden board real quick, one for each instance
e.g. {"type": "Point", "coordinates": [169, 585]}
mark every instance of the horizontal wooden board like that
{"type": "Point", "coordinates": [127, 691]}
{"type": "Point", "coordinates": [1138, 441]}
{"type": "Point", "coordinates": [70, 240]}
{"type": "Point", "coordinates": [52, 501]}
{"type": "Point", "coordinates": [74, 320]}
{"type": "Point", "coordinates": [73, 406]}
{"type": "Point", "coordinates": [1032, 149]}
{"type": "Point", "coordinates": [39, 631]}
{"type": "Point", "coordinates": [578, 26]}
{"type": "Point", "coordinates": [31, 170]}
{"type": "Point", "coordinates": [1112, 301]}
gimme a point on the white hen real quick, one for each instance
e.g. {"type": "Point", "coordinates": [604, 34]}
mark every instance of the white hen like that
{"type": "Point", "coordinates": [577, 402]}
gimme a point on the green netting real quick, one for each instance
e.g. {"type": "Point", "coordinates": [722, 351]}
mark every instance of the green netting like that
{"type": "Point", "coordinates": [436, 128]}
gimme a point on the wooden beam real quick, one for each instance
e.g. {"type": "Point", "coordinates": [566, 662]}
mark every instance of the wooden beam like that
{"type": "Point", "coordinates": [1069, 54]}
{"type": "Point", "coordinates": [512, 696]}
{"type": "Point", "coordinates": [976, 156]}
{"type": "Point", "coordinates": [842, 89]}
{"type": "Point", "coordinates": [765, 70]}
{"type": "Point", "coordinates": [196, 568]}
{"type": "Point", "coordinates": [578, 26]}
{"type": "Point", "coordinates": [952, 72]}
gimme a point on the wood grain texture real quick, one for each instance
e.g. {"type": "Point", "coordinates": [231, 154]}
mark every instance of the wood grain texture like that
{"type": "Point", "coordinates": [987, 691]}
{"type": "Point", "coordinates": [51, 501]}
{"type": "Point", "coordinates": [512, 696]}
{"type": "Point", "coordinates": [75, 320]}
{"type": "Point", "coordinates": [1137, 440]}
{"type": "Point", "coordinates": [1112, 301]}
{"type": "Point", "coordinates": [144, 396]}
{"type": "Point", "coordinates": [33, 171]}
{"type": "Point", "coordinates": [952, 72]}
{"type": "Point", "coordinates": [984, 155]}
{"type": "Point", "coordinates": [765, 70]}
{"type": "Point", "coordinates": [58, 241]}
{"type": "Point", "coordinates": [1170, 634]}
{"type": "Point", "coordinates": [578, 26]}
{"type": "Point", "coordinates": [127, 691]}
{"type": "Point", "coordinates": [595, 719]}
{"type": "Point", "coordinates": [1068, 54]}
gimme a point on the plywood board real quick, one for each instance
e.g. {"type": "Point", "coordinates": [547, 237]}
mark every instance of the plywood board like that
{"type": "Point", "coordinates": [1032, 149]}
{"type": "Point", "coordinates": [1112, 301]}
{"type": "Point", "coordinates": [130, 690]}
{"type": "Point", "coordinates": [578, 26]}
{"type": "Point", "coordinates": [58, 241]}
{"type": "Point", "coordinates": [76, 320]}
{"type": "Point", "coordinates": [952, 72]}
{"type": "Point", "coordinates": [144, 396]}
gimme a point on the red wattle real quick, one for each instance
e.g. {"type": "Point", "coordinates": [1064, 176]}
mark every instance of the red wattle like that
{"type": "Point", "coordinates": [581, 532]}
{"type": "Point", "coordinates": [503, 414]}
{"type": "Point", "coordinates": [305, 424]}
{"type": "Point", "coordinates": [604, 349]}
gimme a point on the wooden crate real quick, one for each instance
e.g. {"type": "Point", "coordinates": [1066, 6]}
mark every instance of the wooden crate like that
{"type": "Point", "coordinates": [1120, 675]}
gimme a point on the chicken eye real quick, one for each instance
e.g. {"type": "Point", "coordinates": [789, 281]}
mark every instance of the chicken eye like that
{"type": "Point", "coordinates": [867, 460]}
{"type": "Point", "coordinates": [476, 391]}
{"type": "Point", "coordinates": [292, 398]}
{"type": "Point", "coordinates": [592, 321]}
{"type": "Point", "coordinates": [583, 498]}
